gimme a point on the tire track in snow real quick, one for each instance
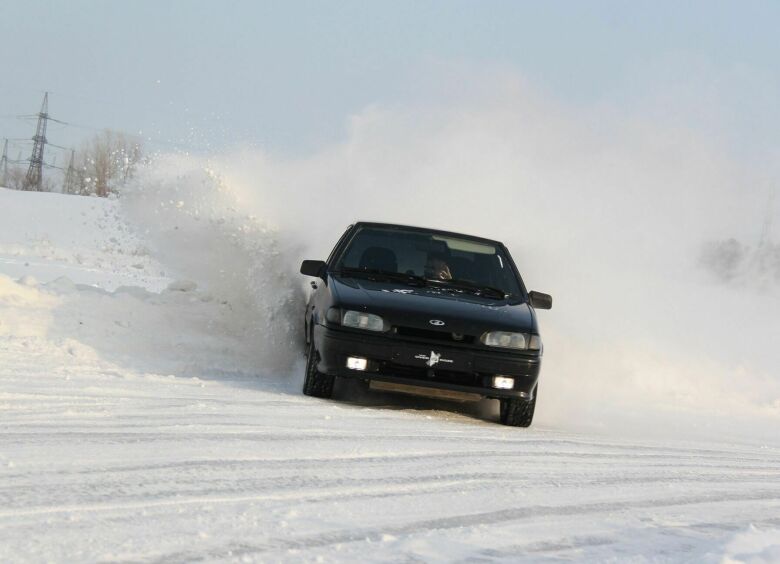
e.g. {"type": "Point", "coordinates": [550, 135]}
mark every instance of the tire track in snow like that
{"type": "Point", "coordinates": [318, 435]}
{"type": "Point", "coordinates": [229, 487]}
{"type": "Point", "coordinates": [226, 485]}
{"type": "Point", "coordinates": [525, 458]}
{"type": "Point", "coordinates": [376, 534]}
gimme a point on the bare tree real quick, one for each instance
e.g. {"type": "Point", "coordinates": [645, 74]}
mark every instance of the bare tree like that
{"type": "Point", "coordinates": [731, 261]}
{"type": "Point", "coordinates": [725, 259]}
{"type": "Point", "coordinates": [15, 178]}
{"type": "Point", "coordinates": [107, 161]}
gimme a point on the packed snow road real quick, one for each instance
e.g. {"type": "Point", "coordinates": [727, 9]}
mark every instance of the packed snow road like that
{"type": "Point", "coordinates": [102, 464]}
{"type": "Point", "coordinates": [141, 421]}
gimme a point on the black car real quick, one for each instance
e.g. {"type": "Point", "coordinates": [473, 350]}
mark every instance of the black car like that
{"type": "Point", "coordinates": [425, 312]}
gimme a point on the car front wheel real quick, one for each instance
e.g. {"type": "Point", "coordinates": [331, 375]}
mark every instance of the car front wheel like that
{"type": "Point", "coordinates": [315, 382]}
{"type": "Point", "coordinates": [517, 412]}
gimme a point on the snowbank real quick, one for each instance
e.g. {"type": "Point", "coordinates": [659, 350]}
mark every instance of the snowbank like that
{"type": "Point", "coordinates": [756, 545]}
{"type": "Point", "coordinates": [25, 308]}
{"type": "Point", "coordinates": [54, 235]}
{"type": "Point", "coordinates": [186, 333]}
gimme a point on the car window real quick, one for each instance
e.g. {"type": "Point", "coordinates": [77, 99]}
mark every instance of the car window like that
{"type": "Point", "coordinates": [426, 254]}
{"type": "Point", "coordinates": [340, 241]}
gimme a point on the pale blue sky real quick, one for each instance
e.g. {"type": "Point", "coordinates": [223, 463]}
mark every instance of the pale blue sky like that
{"type": "Point", "coordinates": [286, 75]}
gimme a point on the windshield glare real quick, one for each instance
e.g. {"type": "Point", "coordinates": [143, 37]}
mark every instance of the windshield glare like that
{"type": "Point", "coordinates": [430, 255]}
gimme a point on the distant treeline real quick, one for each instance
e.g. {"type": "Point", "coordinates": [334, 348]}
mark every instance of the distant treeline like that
{"type": "Point", "coordinates": [100, 167]}
{"type": "Point", "coordinates": [732, 261]}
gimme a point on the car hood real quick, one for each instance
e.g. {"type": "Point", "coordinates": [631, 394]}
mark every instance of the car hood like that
{"type": "Point", "coordinates": [414, 306]}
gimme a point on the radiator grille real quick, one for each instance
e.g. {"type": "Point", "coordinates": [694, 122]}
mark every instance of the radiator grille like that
{"type": "Point", "coordinates": [428, 334]}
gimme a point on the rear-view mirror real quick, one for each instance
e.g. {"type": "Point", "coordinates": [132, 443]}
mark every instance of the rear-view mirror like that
{"type": "Point", "coordinates": [539, 300]}
{"type": "Point", "coordinates": [314, 268]}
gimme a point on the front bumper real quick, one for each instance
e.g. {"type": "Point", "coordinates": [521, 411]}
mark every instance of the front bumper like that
{"type": "Point", "coordinates": [400, 361]}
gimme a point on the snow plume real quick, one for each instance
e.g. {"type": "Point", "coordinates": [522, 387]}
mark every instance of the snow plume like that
{"type": "Point", "coordinates": [605, 210]}
{"type": "Point", "coordinates": [207, 235]}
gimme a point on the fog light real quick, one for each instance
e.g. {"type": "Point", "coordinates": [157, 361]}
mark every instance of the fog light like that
{"type": "Point", "coordinates": [503, 383]}
{"type": "Point", "coordinates": [356, 363]}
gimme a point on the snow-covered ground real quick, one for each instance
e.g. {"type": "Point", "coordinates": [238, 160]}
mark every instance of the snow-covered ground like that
{"type": "Point", "coordinates": [143, 417]}
{"type": "Point", "coordinates": [83, 239]}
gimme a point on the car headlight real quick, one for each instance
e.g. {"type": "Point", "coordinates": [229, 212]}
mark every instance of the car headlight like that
{"type": "Point", "coordinates": [362, 320]}
{"type": "Point", "coordinates": [509, 340]}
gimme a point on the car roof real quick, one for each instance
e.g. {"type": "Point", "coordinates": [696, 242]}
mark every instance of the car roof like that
{"type": "Point", "coordinates": [424, 229]}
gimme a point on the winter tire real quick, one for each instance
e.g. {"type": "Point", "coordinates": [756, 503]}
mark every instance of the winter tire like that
{"type": "Point", "coordinates": [517, 412]}
{"type": "Point", "coordinates": [316, 383]}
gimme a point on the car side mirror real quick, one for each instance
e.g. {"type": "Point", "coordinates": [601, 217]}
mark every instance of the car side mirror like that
{"type": "Point", "coordinates": [314, 268]}
{"type": "Point", "coordinates": [539, 300]}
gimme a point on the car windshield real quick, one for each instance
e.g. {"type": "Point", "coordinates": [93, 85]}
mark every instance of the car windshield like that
{"type": "Point", "coordinates": [429, 257]}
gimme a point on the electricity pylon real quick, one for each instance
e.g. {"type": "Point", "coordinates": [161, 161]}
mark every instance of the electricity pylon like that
{"type": "Point", "coordinates": [763, 256]}
{"type": "Point", "coordinates": [34, 179]}
{"type": "Point", "coordinates": [766, 228]}
{"type": "Point", "coordinates": [4, 165]}
{"type": "Point", "coordinates": [69, 185]}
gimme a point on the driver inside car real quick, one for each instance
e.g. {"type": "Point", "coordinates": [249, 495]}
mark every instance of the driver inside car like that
{"type": "Point", "coordinates": [437, 268]}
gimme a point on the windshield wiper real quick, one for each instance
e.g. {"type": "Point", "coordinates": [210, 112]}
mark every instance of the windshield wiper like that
{"type": "Point", "coordinates": [415, 280]}
{"type": "Point", "coordinates": [477, 289]}
{"type": "Point", "coordinates": [409, 279]}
